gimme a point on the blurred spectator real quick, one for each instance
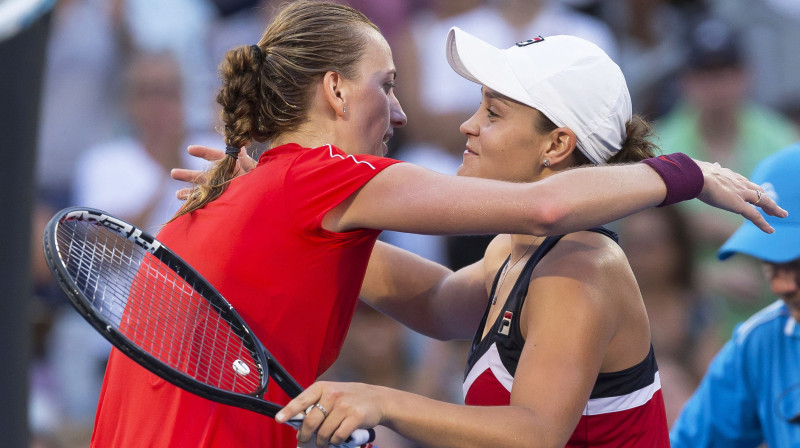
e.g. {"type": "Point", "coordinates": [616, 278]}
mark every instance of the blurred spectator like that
{"type": "Point", "coordinates": [88, 45]}
{"type": "Point", "coordinates": [770, 32]}
{"type": "Point", "coordinates": [179, 27]}
{"type": "Point", "coordinates": [129, 176]}
{"type": "Point", "coordinates": [651, 52]}
{"type": "Point", "coordinates": [714, 119]}
{"type": "Point", "coordinates": [751, 393]}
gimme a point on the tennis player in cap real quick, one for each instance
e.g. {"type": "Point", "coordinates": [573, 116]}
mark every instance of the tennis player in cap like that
{"type": "Point", "coordinates": [751, 391]}
{"type": "Point", "coordinates": [561, 352]}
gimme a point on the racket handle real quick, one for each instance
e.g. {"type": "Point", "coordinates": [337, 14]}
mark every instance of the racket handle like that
{"type": "Point", "coordinates": [357, 438]}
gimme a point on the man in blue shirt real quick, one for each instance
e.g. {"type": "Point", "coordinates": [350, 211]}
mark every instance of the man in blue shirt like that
{"type": "Point", "coordinates": [751, 391]}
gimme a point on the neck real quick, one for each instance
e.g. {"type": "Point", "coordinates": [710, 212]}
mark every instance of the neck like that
{"type": "Point", "coordinates": [307, 138]}
{"type": "Point", "coordinates": [320, 128]}
{"type": "Point", "coordinates": [521, 244]}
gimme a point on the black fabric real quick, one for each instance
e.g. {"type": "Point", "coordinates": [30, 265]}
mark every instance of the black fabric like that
{"type": "Point", "coordinates": [510, 346]}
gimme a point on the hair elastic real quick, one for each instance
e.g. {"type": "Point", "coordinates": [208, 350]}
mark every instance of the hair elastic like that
{"type": "Point", "coordinates": [257, 52]}
{"type": "Point", "coordinates": [682, 176]}
{"type": "Point", "coordinates": [233, 152]}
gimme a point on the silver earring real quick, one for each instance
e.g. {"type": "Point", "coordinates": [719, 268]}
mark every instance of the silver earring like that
{"type": "Point", "coordinates": [546, 163]}
{"type": "Point", "coordinates": [344, 109]}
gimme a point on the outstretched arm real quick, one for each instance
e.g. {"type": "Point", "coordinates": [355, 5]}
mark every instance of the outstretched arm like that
{"type": "Point", "coordinates": [569, 201]}
{"type": "Point", "coordinates": [408, 198]}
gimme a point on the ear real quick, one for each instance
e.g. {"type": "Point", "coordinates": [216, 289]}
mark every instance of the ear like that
{"type": "Point", "coordinates": [562, 142]}
{"type": "Point", "coordinates": [333, 91]}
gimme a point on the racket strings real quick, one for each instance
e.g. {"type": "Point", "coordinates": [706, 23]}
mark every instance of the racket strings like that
{"type": "Point", "coordinates": [155, 308]}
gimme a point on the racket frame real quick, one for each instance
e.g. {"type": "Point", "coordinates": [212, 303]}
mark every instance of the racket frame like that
{"type": "Point", "coordinates": [268, 367]}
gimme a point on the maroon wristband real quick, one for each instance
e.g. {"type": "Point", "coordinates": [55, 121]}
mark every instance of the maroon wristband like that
{"type": "Point", "coordinates": [681, 175]}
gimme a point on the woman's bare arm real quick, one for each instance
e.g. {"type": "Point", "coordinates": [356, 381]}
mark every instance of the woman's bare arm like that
{"type": "Point", "coordinates": [573, 200]}
{"type": "Point", "coordinates": [423, 295]}
{"type": "Point", "coordinates": [409, 198]}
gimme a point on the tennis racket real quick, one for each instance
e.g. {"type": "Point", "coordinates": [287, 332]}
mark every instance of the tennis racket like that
{"type": "Point", "coordinates": [156, 309]}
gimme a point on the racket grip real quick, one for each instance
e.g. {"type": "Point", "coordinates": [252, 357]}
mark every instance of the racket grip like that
{"type": "Point", "coordinates": [357, 438]}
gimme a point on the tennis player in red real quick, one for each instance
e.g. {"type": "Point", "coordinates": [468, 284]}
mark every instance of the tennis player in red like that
{"type": "Point", "coordinates": [288, 243]}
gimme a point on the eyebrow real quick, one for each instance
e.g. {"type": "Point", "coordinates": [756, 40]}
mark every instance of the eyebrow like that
{"type": "Point", "coordinates": [491, 94]}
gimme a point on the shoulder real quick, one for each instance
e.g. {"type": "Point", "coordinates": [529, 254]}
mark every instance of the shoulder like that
{"type": "Point", "coordinates": [587, 252]}
{"type": "Point", "coordinates": [329, 164]}
{"type": "Point", "coordinates": [586, 272]}
{"type": "Point", "coordinates": [588, 263]}
{"type": "Point", "coordinates": [765, 324]}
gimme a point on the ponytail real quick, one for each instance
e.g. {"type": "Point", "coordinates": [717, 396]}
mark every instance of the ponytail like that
{"type": "Point", "coordinates": [638, 145]}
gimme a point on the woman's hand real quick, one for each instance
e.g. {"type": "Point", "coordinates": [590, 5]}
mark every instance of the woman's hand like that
{"type": "Point", "coordinates": [348, 406]}
{"type": "Point", "coordinates": [725, 189]}
{"type": "Point", "coordinates": [244, 164]}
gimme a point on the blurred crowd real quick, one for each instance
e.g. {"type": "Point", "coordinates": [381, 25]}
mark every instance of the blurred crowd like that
{"type": "Point", "coordinates": [128, 84]}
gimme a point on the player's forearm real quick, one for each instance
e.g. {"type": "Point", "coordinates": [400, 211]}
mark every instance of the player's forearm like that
{"type": "Point", "coordinates": [403, 285]}
{"type": "Point", "coordinates": [585, 197]}
{"type": "Point", "coordinates": [437, 424]}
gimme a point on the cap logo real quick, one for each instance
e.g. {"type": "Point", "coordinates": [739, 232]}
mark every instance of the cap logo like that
{"type": "Point", "coordinates": [525, 43]}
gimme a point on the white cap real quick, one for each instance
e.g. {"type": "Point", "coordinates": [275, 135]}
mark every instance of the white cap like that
{"type": "Point", "coordinates": [570, 80]}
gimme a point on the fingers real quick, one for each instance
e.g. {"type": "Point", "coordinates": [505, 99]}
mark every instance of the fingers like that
{"type": "Point", "coordinates": [300, 403]}
{"type": "Point", "coordinates": [183, 193]}
{"type": "Point", "coordinates": [751, 214]}
{"type": "Point", "coordinates": [246, 163]}
{"type": "Point", "coordinates": [339, 426]}
{"type": "Point", "coordinates": [205, 152]}
{"type": "Point", "coordinates": [759, 198]}
{"type": "Point", "coordinates": [329, 418]}
{"type": "Point", "coordinates": [191, 176]}
{"type": "Point", "coordinates": [304, 404]}
{"type": "Point", "coordinates": [731, 191]}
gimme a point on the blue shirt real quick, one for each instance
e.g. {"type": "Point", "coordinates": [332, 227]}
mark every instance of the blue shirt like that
{"type": "Point", "coordinates": [751, 389]}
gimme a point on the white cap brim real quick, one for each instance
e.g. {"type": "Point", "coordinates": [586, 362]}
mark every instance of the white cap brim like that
{"type": "Point", "coordinates": [483, 64]}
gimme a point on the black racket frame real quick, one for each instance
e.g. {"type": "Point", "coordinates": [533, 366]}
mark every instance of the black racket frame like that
{"type": "Point", "coordinates": [267, 365]}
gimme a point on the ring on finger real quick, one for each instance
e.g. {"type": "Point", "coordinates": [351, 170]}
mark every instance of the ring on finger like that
{"type": "Point", "coordinates": [760, 194]}
{"type": "Point", "coordinates": [318, 406]}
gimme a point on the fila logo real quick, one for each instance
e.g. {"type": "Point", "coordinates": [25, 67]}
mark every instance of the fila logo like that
{"type": "Point", "coordinates": [525, 43]}
{"type": "Point", "coordinates": [505, 324]}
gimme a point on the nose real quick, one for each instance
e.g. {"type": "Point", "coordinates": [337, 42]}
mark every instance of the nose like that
{"type": "Point", "coordinates": [396, 115]}
{"type": "Point", "coordinates": [785, 282]}
{"type": "Point", "coordinates": [784, 279]}
{"type": "Point", "coordinates": [469, 127]}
